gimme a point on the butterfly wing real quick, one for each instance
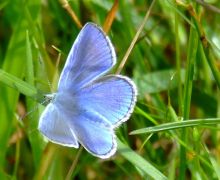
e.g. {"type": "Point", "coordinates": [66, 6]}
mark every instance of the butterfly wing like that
{"type": "Point", "coordinates": [91, 55]}
{"type": "Point", "coordinates": [53, 125]}
{"type": "Point", "coordinates": [94, 133]}
{"type": "Point", "coordinates": [111, 96]}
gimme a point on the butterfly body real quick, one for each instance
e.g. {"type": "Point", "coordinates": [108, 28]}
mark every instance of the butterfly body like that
{"type": "Point", "coordinates": [88, 106]}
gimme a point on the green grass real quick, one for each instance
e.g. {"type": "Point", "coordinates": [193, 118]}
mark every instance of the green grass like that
{"type": "Point", "coordinates": [174, 130]}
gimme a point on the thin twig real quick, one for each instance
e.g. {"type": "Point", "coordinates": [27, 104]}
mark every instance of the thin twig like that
{"type": "Point", "coordinates": [110, 17]}
{"type": "Point", "coordinates": [135, 39]}
{"type": "Point", "coordinates": [67, 7]}
{"type": "Point", "coordinates": [45, 160]}
{"type": "Point", "coordinates": [208, 6]}
{"type": "Point", "coordinates": [73, 166]}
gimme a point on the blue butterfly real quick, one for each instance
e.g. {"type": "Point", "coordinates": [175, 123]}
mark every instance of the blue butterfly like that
{"type": "Point", "coordinates": [89, 106]}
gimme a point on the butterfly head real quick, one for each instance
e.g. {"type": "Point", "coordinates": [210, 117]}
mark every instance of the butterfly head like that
{"type": "Point", "coordinates": [48, 98]}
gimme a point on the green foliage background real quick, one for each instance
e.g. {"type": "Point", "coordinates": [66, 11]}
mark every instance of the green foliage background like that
{"type": "Point", "coordinates": [175, 64]}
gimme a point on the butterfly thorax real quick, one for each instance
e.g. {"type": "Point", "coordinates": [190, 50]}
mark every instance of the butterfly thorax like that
{"type": "Point", "coordinates": [49, 97]}
{"type": "Point", "coordinates": [65, 100]}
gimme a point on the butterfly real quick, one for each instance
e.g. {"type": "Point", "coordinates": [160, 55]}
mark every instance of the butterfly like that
{"type": "Point", "coordinates": [88, 104]}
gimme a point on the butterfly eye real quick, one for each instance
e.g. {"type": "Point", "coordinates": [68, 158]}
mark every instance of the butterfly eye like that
{"type": "Point", "coordinates": [48, 98]}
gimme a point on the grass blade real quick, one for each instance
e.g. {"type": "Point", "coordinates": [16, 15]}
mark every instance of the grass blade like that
{"type": "Point", "coordinates": [177, 125]}
{"type": "Point", "coordinates": [139, 162]}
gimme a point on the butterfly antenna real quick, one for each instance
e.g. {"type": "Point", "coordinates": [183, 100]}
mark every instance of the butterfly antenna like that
{"type": "Point", "coordinates": [32, 131]}
{"type": "Point", "coordinates": [33, 110]}
{"type": "Point", "coordinates": [55, 77]}
{"type": "Point", "coordinates": [46, 99]}
{"type": "Point", "coordinates": [44, 71]}
{"type": "Point", "coordinates": [21, 118]}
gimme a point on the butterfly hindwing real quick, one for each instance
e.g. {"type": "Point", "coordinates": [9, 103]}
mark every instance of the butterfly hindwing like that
{"type": "Point", "coordinates": [53, 126]}
{"type": "Point", "coordinates": [94, 133]}
{"type": "Point", "coordinates": [111, 96]}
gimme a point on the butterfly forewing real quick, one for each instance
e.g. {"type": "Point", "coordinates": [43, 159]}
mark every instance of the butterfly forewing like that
{"type": "Point", "coordinates": [92, 55]}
